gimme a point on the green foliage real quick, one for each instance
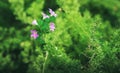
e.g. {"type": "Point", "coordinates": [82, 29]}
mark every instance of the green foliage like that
{"type": "Point", "coordinates": [26, 10]}
{"type": "Point", "coordinates": [86, 38]}
{"type": "Point", "coordinates": [108, 9]}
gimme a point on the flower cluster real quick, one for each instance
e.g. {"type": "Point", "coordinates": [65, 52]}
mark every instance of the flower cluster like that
{"type": "Point", "coordinates": [34, 34]}
{"type": "Point", "coordinates": [50, 24]}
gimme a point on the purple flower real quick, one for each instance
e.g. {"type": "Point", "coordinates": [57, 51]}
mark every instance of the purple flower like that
{"type": "Point", "coordinates": [52, 13]}
{"type": "Point", "coordinates": [45, 16]}
{"type": "Point", "coordinates": [34, 34]}
{"type": "Point", "coordinates": [34, 22]}
{"type": "Point", "coordinates": [52, 26]}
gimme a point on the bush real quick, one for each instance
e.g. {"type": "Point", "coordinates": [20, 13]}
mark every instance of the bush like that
{"type": "Point", "coordinates": [86, 38]}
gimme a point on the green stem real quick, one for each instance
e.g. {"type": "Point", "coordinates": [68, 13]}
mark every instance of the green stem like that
{"type": "Point", "coordinates": [45, 62]}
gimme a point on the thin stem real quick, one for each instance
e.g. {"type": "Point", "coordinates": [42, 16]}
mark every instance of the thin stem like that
{"type": "Point", "coordinates": [45, 62]}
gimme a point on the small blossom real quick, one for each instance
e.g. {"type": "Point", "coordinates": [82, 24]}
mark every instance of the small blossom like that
{"type": "Point", "coordinates": [52, 13]}
{"type": "Point", "coordinates": [34, 34]}
{"type": "Point", "coordinates": [34, 22]}
{"type": "Point", "coordinates": [45, 16]}
{"type": "Point", "coordinates": [52, 26]}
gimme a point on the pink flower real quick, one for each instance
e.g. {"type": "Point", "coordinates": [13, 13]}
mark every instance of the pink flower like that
{"type": "Point", "coordinates": [34, 22]}
{"type": "Point", "coordinates": [34, 34]}
{"type": "Point", "coordinates": [52, 13]}
{"type": "Point", "coordinates": [45, 16]}
{"type": "Point", "coordinates": [52, 26]}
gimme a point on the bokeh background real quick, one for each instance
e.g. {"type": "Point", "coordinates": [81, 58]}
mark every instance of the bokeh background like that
{"type": "Point", "coordinates": [86, 39]}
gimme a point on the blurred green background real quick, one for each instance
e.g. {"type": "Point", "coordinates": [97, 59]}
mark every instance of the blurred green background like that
{"type": "Point", "coordinates": [86, 39]}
